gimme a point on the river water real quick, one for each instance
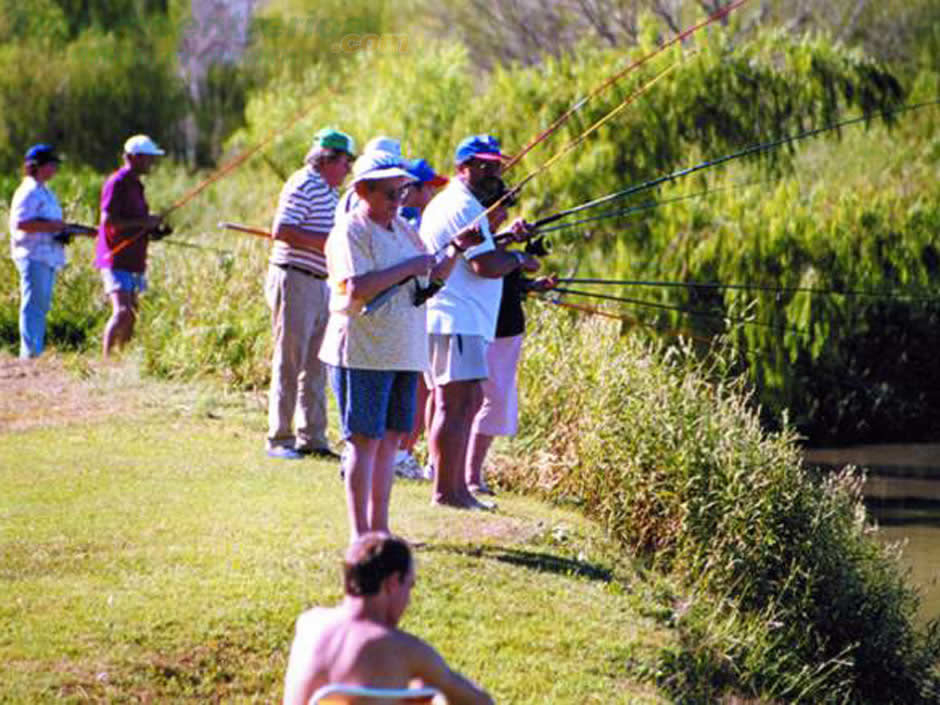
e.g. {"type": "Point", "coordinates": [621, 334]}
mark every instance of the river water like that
{"type": "Point", "coordinates": [902, 493]}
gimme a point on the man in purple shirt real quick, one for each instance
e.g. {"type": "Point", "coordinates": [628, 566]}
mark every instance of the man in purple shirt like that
{"type": "Point", "coordinates": [125, 228]}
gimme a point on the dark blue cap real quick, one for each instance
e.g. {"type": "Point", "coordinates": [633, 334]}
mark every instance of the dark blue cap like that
{"type": "Point", "coordinates": [424, 173]}
{"type": "Point", "coordinates": [40, 154]}
{"type": "Point", "coordinates": [478, 147]}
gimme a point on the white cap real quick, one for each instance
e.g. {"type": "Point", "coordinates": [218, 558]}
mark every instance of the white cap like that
{"type": "Point", "coordinates": [378, 165]}
{"type": "Point", "coordinates": [141, 144]}
{"type": "Point", "coordinates": [384, 144]}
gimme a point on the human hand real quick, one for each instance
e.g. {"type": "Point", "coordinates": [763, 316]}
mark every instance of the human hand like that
{"type": "Point", "coordinates": [521, 230]}
{"type": "Point", "coordinates": [544, 283]}
{"type": "Point", "coordinates": [527, 263]}
{"type": "Point", "coordinates": [468, 237]}
{"type": "Point", "coordinates": [421, 265]}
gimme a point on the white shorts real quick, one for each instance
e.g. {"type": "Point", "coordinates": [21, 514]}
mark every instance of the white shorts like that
{"type": "Point", "coordinates": [499, 413]}
{"type": "Point", "coordinates": [456, 358]}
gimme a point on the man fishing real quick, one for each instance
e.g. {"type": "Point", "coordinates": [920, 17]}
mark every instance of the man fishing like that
{"type": "Point", "coordinates": [462, 315]}
{"type": "Point", "coordinates": [297, 294]}
{"type": "Point", "coordinates": [358, 641]}
{"type": "Point", "coordinates": [126, 226]}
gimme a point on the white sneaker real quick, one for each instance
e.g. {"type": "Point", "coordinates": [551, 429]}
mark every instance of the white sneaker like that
{"type": "Point", "coordinates": [406, 466]}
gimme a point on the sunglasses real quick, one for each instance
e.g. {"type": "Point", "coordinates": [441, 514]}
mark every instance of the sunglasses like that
{"type": "Point", "coordinates": [395, 194]}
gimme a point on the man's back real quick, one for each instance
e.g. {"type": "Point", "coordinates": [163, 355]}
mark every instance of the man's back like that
{"type": "Point", "coordinates": [332, 647]}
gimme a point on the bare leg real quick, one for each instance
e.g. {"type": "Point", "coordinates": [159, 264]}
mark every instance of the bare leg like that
{"type": "Point", "coordinates": [476, 454]}
{"type": "Point", "coordinates": [455, 405]}
{"type": "Point", "coordinates": [383, 474]}
{"type": "Point", "coordinates": [120, 326]}
{"type": "Point", "coordinates": [359, 468]}
{"type": "Point", "coordinates": [409, 441]}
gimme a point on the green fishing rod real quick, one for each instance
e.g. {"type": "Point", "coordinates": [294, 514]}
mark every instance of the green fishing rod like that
{"type": "Point", "coordinates": [753, 149]}
{"type": "Point", "coordinates": [885, 295]}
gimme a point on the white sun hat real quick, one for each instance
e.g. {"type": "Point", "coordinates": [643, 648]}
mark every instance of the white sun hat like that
{"type": "Point", "coordinates": [141, 144]}
{"type": "Point", "coordinates": [384, 144]}
{"type": "Point", "coordinates": [378, 165]}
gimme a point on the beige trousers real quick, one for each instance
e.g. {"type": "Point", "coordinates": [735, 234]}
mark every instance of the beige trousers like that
{"type": "Point", "coordinates": [297, 399]}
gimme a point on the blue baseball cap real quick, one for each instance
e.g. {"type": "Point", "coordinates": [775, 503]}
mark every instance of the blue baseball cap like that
{"type": "Point", "coordinates": [424, 173]}
{"type": "Point", "coordinates": [484, 147]}
{"type": "Point", "coordinates": [40, 154]}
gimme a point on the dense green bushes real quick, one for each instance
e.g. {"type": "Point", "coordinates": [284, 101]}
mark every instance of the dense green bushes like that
{"type": "Point", "coordinates": [803, 603]}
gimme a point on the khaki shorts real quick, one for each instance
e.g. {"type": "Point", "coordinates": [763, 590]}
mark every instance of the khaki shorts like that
{"type": "Point", "coordinates": [456, 358]}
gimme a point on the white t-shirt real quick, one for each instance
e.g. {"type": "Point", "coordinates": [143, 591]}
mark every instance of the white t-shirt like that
{"type": "Point", "coordinates": [34, 200]}
{"type": "Point", "coordinates": [392, 337]}
{"type": "Point", "coordinates": [468, 303]}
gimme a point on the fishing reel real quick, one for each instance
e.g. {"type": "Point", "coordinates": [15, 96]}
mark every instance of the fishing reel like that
{"type": "Point", "coordinates": [423, 293]}
{"type": "Point", "coordinates": [70, 230]}
{"type": "Point", "coordinates": [160, 232]}
{"type": "Point", "coordinates": [538, 246]}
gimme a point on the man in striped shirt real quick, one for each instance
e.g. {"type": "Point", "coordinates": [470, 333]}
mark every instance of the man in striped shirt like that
{"type": "Point", "coordinates": [298, 296]}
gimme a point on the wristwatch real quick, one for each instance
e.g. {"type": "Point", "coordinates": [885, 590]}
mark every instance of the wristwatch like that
{"type": "Point", "coordinates": [520, 258]}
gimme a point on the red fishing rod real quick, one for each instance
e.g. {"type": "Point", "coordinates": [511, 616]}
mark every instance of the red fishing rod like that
{"type": "Point", "coordinates": [716, 16]}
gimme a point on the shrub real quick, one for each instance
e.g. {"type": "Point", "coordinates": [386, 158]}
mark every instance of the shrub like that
{"type": "Point", "coordinates": [669, 456]}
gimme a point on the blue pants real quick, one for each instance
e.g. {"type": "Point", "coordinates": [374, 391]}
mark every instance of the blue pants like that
{"type": "Point", "coordinates": [36, 280]}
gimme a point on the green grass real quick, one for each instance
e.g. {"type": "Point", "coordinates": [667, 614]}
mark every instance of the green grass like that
{"type": "Point", "coordinates": [158, 556]}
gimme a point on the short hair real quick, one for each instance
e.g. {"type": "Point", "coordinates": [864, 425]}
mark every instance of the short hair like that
{"type": "Point", "coordinates": [371, 559]}
{"type": "Point", "coordinates": [30, 169]}
{"type": "Point", "coordinates": [319, 155]}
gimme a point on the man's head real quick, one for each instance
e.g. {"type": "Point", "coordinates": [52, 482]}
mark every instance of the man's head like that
{"type": "Point", "coordinates": [489, 191]}
{"type": "Point", "coordinates": [140, 153]}
{"type": "Point", "coordinates": [380, 180]}
{"type": "Point", "coordinates": [379, 565]}
{"type": "Point", "coordinates": [478, 157]}
{"type": "Point", "coordinates": [331, 155]}
{"type": "Point", "coordinates": [426, 182]}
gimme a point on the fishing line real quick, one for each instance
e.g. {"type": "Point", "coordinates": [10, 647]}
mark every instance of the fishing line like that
{"type": "Point", "coordinates": [754, 149]}
{"type": "Point", "coordinates": [718, 15]}
{"type": "Point", "coordinates": [681, 309]}
{"type": "Point", "coordinates": [885, 295]}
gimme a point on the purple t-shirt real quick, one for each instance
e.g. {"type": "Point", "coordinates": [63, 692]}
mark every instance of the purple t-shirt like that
{"type": "Point", "coordinates": [122, 197]}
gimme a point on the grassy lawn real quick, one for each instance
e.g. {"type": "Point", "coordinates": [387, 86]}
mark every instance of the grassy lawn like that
{"type": "Point", "coordinates": [149, 552]}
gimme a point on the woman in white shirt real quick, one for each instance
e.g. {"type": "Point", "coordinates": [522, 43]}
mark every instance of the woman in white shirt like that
{"type": "Point", "coordinates": [375, 357]}
{"type": "Point", "coordinates": [35, 220]}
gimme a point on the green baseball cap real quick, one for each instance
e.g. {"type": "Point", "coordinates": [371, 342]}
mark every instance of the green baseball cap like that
{"type": "Point", "coordinates": [332, 138]}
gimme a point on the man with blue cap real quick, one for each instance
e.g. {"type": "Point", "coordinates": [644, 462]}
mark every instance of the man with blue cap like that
{"type": "Point", "coordinates": [35, 219]}
{"type": "Point", "coordinates": [461, 317]}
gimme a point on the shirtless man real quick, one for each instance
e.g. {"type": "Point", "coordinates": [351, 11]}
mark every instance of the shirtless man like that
{"type": "Point", "coordinates": [358, 642]}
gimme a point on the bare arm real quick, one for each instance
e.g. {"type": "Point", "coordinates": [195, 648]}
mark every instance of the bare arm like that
{"type": "Point", "coordinates": [431, 669]}
{"type": "Point", "coordinates": [498, 263]}
{"type": "Point", "coordinates": [123, 224]}
{"type": "Point", "coordinates": [296, 236]}
{"type": "Point", "coordinates": [364, 287]}
{"type": "Point", "coordinates": [40, 225]}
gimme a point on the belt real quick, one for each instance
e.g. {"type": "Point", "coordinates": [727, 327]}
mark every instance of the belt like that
{"type": "Point", "coordinates": [301, 270]}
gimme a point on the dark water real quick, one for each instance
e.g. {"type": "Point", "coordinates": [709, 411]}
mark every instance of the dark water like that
{"type": "Point", "coordinates": [902, 493]}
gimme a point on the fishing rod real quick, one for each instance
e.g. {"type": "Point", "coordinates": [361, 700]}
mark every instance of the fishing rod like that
{"type": "Point", "coordinates": [237, 227]}
{"type": "Point", "coordinates": [753, 149]}
{"type": "Point", "coordinates": [887, 295]}
{"type": "Point", "coordinates": [681, 309]}
{"type": "Point", "coordinates": [716, 16]}
{"type": "Point", "coordinates": [193, 245]}
{"type": "Point", "coordinates": [219, 173]}
{"type": "Point", "coordinates": [648, 205]}
{"type": "Point", "coordinates": [511, 192]}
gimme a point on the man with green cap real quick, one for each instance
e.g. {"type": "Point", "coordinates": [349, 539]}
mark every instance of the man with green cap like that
{"type": "Point", "coordinates": [298, 296]}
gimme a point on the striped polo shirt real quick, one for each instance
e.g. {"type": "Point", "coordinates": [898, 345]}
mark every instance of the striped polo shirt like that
{"type": "Point", "coordinates": [306, 202]}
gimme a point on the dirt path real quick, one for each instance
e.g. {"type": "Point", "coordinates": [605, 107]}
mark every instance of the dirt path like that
{"type": "Point", "coordinates": [50, 391]}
